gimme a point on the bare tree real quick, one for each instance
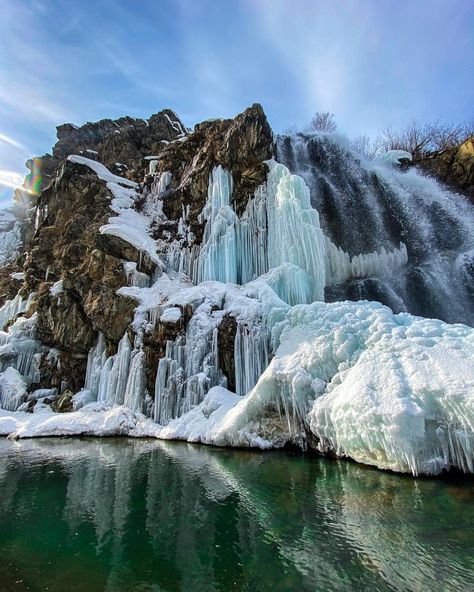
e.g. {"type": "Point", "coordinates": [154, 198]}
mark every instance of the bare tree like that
{"type": "Point", "coordinates": [364, 145]}
{"type": "Point", "coordinates": [418, 139]}
{"type": "Point", "coordinates": [323, 122]}
{"type": "Point", "coordinates": [467, 131]}
{"type": "Point", "coordinates": [446, 136]}
{"type": "Point", "coordinates": [422, 139]}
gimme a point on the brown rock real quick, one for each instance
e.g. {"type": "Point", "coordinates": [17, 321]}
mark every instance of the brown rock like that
{"type": "Point", "coordinates": [454, 166]}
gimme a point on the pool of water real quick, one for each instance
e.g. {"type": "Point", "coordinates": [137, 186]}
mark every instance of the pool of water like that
{"type": "Point", "coordinates": [141, 515]}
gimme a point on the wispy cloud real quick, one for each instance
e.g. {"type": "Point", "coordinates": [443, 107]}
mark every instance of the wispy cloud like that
{"type": "Point", "coordinates": [11, 142]}
{"type": "Point", "coordinates": [10, 179]}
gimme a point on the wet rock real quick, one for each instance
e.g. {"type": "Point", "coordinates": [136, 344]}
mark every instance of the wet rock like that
{"type": "Point", "coordinates": [226, 340]}
{"type": "Point", "coordinates": [240, 145]}
{"type": "Point", "coordinates": [63, 403]}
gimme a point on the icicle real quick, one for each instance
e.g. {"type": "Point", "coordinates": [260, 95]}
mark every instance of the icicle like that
{"type": "Point", "coordinates": [340, 266]}
{"type": "Point", "coordinates": [189, 368]}
{"type": "Point", "coordinates": [135, 390]}
{"type": "Point", "coordinates": [95, 362]}
{"type": "Point", "coordinates": [251, 356]}
{"type": "Point", "coordinates": [20, 349]}
{"type": "Point", "coordinates": [135, 277]}
{"type": "Point", "coordinates": [12, 389]}
{"type": "Point", "coordinates": [11, 309]}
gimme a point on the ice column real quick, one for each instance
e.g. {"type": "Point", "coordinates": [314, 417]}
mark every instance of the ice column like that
{"type": "Point", "coordinates": [11, 309]}
{"type": "Point", "coordinates": [12, 389]}
{"type": "Point", "coordinates": [341, 267]}
{"type": "Point", "coordinates": [251, 356]}
{"type": "Point", "coordinates": [217, 259]}
{"type": "Point", "coordinates": [114, 373]}
{"type": "Point", "coordinates": [188, 370]}
{"type": "Point", "coordinates": [19, 348]}
{"type": "Point", "coordinates": [294, 233]}
{"type": "Point", "coordinates": [95, 362]}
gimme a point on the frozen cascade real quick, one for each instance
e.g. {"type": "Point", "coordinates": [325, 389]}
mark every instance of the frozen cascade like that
{"type": "Point", "coordinates": [278, 237]}
{"type": "Point", "coordinates": [11, 309]}
{"type": "Point", "coordinates": [12, 389]}
{"type": "Point", "coordinates": [95, 362]}
{"type": "Point", "coordinates": [366, 206]}
{"type": "Point", "coordinates": [218, 256]}
{"type": "Point", "coordinates": [189, 368]}
{"type": "Point", "coordinates": [340, 266]}
{"type": "Point", "coordinates": [294, 234]}
{"type": "Point", "coordinates": [135, 277]}
{"type": "Point", "coordinates": [252, 238]}
{"type": "Point", "coordinates": [154, 195]}
{"type": "Point", "coordinates": [252, 354]}
{"type": "Point", "coordinates": [19, 347]}
{"type": "Point", "coordinates": [278, 229]}
{"type": "Point", "coordinates": [135, 389]}
{"type": "Point", "coordinates": [114, 373]}
{"type": "Point", "coordinates": [117, 379]}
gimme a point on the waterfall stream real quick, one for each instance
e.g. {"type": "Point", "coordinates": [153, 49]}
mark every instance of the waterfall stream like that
{"type": "Point", "coordinates": [365, 206]}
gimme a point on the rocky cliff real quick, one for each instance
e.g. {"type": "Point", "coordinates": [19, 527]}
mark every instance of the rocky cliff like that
{"type": "Point", "coordinates": [73, 269]}
{"type": "Point", "coordinates": [453, 166]}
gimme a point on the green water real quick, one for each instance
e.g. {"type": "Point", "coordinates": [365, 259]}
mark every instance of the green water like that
{"type": "Point", "coordinates": [89, 515]}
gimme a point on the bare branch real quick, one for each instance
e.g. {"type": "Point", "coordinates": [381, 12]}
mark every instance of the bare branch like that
{"type": "Point", "coordinates": [323, 122]}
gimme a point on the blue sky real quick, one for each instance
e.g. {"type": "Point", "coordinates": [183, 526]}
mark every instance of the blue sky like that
{"type": "Point", "coordinates": [371, 62]}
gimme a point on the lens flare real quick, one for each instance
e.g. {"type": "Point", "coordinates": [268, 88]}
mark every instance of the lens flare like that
{"type": "Point", "coordinates": [33, 180]}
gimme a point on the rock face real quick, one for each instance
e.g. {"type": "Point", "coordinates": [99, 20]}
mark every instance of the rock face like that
{"type": "Point", "coordinates": [121, 144]}
{"type": "Point", "coordinates": [63, 253]}
{"type": "Point", "coordinates": [74, 270]}
{"type": "Point", "coordinates": [240, 145]}
{"type": "Point", "coordinates": [454, 166]}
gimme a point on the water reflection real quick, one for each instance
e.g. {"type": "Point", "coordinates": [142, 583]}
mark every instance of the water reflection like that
{"type": "Point", "coordinates": [147, 515]}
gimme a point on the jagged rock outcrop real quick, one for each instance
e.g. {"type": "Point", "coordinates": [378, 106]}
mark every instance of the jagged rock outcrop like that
{"type": "Point", "coordinates": [63, 253]}
{"type": "Point", "coordinates": [454, 166]}
{"type": "Point", "coordinates": [121, 144]}
{"type": "Point", "coordinates": [240, 145]}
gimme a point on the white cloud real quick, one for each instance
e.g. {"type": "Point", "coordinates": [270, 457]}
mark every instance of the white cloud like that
{"type": "Point", "coordinates": [11, 179]}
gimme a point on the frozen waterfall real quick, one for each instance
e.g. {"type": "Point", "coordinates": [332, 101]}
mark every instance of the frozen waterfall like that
{"type": "Point", "coordinates": [245, 310]}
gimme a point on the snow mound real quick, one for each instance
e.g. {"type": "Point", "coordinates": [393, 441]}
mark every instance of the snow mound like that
{"type": "Point", "coordinates": [171, 315]}
{"type": "Point", "coordinates": [394, 391]}
{"type": "Point", "coordinates": [394, 157]}
{"type": "Point", "coordinates": [92, 420]}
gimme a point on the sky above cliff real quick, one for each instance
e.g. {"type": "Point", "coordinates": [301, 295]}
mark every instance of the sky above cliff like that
{"type": "Point", "coordinates": [373, 63]}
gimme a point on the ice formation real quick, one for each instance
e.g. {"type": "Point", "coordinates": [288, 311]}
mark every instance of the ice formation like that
{"type": "Point", "coordinates": [352, 378]}
{"type": "Point", "coordinates": [19, 348]}
{"type": "Point", "coordinates": [12, 389]}
{"type": "Point", "coordinates": [10, 235]}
